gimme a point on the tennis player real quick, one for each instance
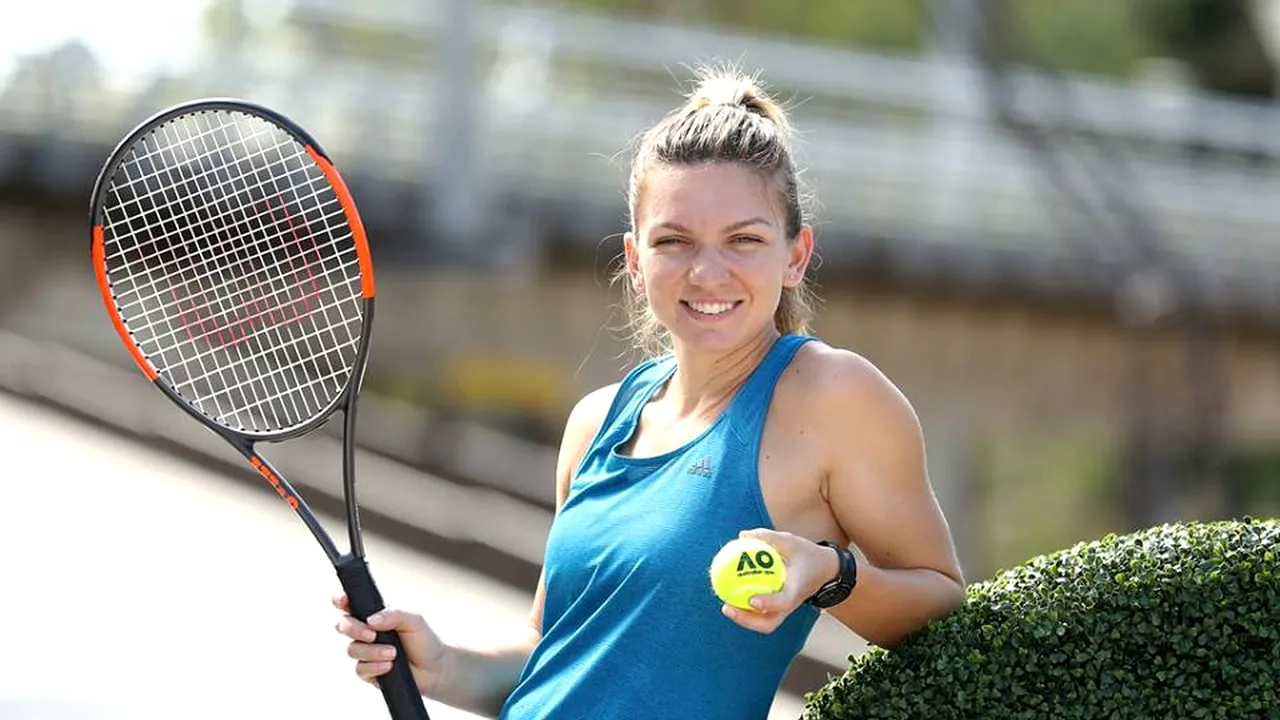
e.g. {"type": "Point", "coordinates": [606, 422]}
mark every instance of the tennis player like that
{"type": "Point", "coordinates": [739, 421]}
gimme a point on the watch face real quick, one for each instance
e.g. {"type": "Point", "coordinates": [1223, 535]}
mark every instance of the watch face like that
{"type": "Point", "coordinates": [832, 596]}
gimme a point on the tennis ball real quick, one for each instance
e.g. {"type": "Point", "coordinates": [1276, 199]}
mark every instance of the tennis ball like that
{"type": "Point", "coordinates": [746, 567]}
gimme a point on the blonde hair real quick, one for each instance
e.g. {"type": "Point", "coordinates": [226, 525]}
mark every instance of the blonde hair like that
{"type": "Point", "coordinates": [727, 118]}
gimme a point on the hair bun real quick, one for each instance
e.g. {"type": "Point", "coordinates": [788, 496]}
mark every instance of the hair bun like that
{"type": "Point", "coordinates": [735, 89]}
{"type": "Point", "coordinates": [724, 89]}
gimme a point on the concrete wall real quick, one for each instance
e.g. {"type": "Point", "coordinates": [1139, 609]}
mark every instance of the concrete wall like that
{"type": "Point", "coordinates": [996, 365]}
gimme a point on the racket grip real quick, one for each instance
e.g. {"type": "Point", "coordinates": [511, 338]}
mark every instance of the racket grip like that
{"type": "Point", "coordinates": [398, 686]}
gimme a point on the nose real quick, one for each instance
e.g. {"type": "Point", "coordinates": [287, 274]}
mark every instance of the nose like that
{"type": "Point", "coordinates": [708, 266]}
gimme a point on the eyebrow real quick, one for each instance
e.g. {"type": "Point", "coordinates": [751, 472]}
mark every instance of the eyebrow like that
{"type": "Point", "coordinates": [731, 227]}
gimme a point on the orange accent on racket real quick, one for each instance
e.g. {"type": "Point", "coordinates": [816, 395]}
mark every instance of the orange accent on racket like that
{"type": "Point", "coordinates": [353, 219]}
{"type": "Point", "coordinates": [100, 269]}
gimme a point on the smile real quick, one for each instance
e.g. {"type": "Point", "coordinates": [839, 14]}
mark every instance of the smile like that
{"type": "Point", "coordinates": [710, 308]}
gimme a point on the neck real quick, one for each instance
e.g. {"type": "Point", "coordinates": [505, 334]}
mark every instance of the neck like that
{"type": "Point", "coordinates": [704, 383]}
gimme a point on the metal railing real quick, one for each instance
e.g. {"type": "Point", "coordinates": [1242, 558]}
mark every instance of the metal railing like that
{"type": "Point", "coordinates": [902, 152]}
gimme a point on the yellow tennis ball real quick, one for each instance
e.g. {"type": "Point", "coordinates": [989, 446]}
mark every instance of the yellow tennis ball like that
{"type": "Point", "coordinates": [746, 567]}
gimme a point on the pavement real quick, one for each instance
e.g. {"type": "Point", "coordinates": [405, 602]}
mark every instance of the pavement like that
{"type": "Point", "coordinates": [142, 584]}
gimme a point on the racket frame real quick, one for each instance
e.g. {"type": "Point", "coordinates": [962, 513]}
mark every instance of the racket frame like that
{"type": "Point", "coordinates": [345, 400]}
{"type": "Point", "coordinates": [398, 687]}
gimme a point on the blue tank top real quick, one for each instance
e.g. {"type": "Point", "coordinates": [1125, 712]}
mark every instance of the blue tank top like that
{"type": "Point", "coordinates": [631, 628]}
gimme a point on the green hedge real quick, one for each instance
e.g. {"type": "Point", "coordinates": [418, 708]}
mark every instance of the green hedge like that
{"type": "Point", "coordinates": [1175, 621]}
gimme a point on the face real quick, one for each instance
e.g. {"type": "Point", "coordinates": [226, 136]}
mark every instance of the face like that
{"type": "Point", "coordinates": [710, 253]}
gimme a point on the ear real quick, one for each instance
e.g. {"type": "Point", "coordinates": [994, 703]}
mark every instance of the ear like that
{"type": "Point", "coordinates": [799, 254]}
{"type": "Point", "coordinates": [633, 262]}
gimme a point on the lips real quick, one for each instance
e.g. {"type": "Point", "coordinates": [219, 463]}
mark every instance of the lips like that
{"type": "Point", "coordinates": [710, 308]}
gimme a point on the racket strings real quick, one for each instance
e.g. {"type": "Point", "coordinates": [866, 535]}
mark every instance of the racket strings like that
{"type": "Point", "coordinates": [232, 264]}
{"type": "Point", "coordinates": [158, 212]}
{"type": "Point", "coordinates": [160, 240]}
{"type": "Point", "coordinates": [263, 290]}
{"type": "Point", "coordinates": [237, 390]}
{"type": "Point", "coordinates": [187, 315]}
{"type": "Point", "coordinates": [155, 180]}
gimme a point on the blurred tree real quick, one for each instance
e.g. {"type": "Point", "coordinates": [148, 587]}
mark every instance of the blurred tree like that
{"type": "Point", "coordinates": [1218, 39]}
{"type": "Point", "coordinates": [354, 36]}
{"type": "Point", "coordinates": [1077, 36]}
{"type": "Point", "coordinates": [223, 21]}
{"type": "Point", "coordinates": [328, 34]}
{"type": "Point", "coordinates": [894, 25]}
{"type": "Point", "coordinates": [1254, 472]}
{"type": "Point", "coordinates": [891, 25]}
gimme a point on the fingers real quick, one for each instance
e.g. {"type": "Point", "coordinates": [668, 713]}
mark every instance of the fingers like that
{"type": "Point", "coordinates": [384, 621]}
{"type": "Point", "coordinates": [372, 660]}
{"type": "Point", "coordinates": [355, 629]}
{"type": "Point", "coordinates": [369, 653]}
{"type": "Point", "coordinates": [421, 648]}
{"type": "Point", "coordinates": [400, 622]}
{"type": "Point", "coordinates": [784, 543]}
{"type": "Point", "coordinates": [389, 620]}
{"type": "Point", "coordinates": [761, 622]}
{"type": "Point", "coordinates": [371, 671]}
{"type": "Point", "coordinates": [808, 564]}
{"type": "Point", "coordinates": [773, 603]}
{"type": "Point", "coordinates": [767, 612]}
{"type": "Point", "coordinates": [770, 610]}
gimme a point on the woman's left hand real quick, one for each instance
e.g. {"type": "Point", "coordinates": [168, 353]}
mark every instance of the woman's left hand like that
{"type": "Point", "coordinates": [809, 566]}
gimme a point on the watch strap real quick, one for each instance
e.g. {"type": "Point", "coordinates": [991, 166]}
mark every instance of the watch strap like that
{"type": "Point", "coordinates": [845, 579]}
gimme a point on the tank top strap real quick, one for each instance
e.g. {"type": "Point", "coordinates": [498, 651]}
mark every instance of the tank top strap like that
{"type": "Point", "coordinates": [748, 409]}
{"type": "Point", "coordinates": [638, 386]}
{"type": "Point", "coordinates": [634, 391]}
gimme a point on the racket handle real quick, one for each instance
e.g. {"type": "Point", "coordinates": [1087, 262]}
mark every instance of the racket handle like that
{"type": "Point", "coordinates": [398, 686]}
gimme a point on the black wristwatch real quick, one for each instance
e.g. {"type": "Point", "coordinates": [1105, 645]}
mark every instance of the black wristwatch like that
{"type": "Point", "coordinates": [838, 588]}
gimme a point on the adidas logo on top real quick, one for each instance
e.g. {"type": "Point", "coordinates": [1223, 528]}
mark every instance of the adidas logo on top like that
{"type": "Point", "coordinates": [701, 467]}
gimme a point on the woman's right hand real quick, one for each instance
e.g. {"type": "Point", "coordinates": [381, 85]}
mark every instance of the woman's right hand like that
{"type": "Point", "coordinates": [422, 646]}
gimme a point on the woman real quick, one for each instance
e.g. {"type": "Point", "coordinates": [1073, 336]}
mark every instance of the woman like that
{"type": "Point", "coordinates": [740, 423]}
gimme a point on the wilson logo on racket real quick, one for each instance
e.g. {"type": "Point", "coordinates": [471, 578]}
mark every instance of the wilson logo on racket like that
{"type": "Point", "coordinates": [277, 283]}
{"type": "Point", "coordinates": [281, 490]}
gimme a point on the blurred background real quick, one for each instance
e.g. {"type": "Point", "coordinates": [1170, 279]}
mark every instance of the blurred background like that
{"type": "Point", "coordinates": [1053, 223]}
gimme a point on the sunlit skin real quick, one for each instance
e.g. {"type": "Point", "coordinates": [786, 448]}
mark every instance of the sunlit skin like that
{"type": "Point", "coordinates": [841, 453]}
{"type": "Point", "coordinates": [714, 234]}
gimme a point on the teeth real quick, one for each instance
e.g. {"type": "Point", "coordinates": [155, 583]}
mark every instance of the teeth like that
{"type": "Point", "coordinates": [714, 308]}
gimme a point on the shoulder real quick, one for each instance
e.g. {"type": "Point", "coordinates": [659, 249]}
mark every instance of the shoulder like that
{"type": "Point", "coordinates": [589, 413]}
{"type": "Point", "coordinates": [848, 400]}
{"type": "Point", "coordinates": [841, 376]}
{"type": "Point", "coordinates": [580, 429]}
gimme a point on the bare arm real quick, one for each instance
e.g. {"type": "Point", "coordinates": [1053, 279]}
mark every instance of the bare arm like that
{"type": "Point", "coordinates": [879, 492]}
{"type": "Point", "coordinates": [479, 679]}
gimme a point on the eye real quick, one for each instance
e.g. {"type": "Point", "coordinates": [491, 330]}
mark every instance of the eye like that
{"type": "Point", "coordinates": [747, 239]}
{"type": "Point", "coordinates": [667, 241]}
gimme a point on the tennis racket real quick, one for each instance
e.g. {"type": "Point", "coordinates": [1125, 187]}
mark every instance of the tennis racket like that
{"type": "Point", "coordinates": [235, 269]}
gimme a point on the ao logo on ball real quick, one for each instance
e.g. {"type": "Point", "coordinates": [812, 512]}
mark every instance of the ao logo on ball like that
{"type": "Point", "coordinates": [761, 562]}
{"type": "Point", "coordinates": [744, 568]}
